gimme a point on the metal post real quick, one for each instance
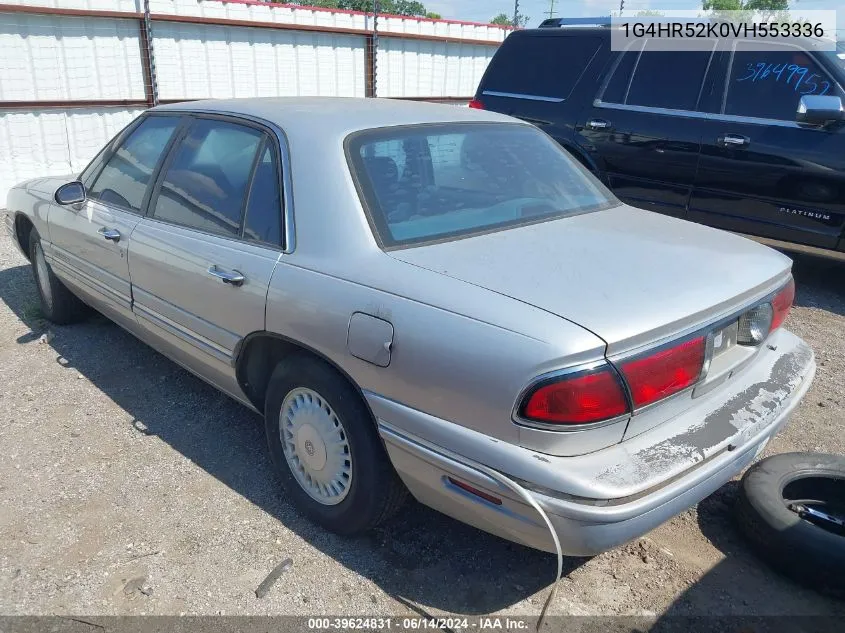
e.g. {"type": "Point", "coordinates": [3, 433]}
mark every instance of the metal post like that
{"type": "Point", "coordinates": [376, 9]}
{"type": "Point", "coordinates": [552, 8]}
{"type": "Point", "coordinates": [621, 6]}
{"type": "Point", "coordinates": [150, 53]}
{"type": "Point", "coordinates": [516, 13]}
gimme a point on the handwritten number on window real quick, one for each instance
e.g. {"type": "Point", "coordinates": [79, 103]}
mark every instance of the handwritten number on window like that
{"type": "Point", "coordinates": [782, 73]}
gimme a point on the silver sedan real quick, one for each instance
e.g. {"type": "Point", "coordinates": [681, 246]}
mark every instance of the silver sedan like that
{"type": "Point", "coordinates": [429, 299]}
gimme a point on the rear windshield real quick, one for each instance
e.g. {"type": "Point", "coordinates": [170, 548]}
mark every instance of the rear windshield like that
{"type": "Point", "coordinates": [433, 182]}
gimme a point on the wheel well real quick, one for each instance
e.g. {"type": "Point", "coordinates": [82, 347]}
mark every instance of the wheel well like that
{"type": "Point", "coordinates": [257, 357]}
{"type": "Point", "coordinates": [23, 228]}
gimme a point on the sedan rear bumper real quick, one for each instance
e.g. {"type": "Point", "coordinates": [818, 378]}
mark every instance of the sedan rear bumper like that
{"type": "Point", "coordinates": [587, 525]}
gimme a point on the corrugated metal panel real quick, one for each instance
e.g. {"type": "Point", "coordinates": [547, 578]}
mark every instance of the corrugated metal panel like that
{"type": "Point", "coordinates": [271, 12]}
{"type": "Point", "coordinates": [52, 141]}
{"type": "Point", "coordinates": [249, 62]}
{"type": "Point", "coordinates": [418, 68]}
{"type": "Point", "coordinates": [52, 58]}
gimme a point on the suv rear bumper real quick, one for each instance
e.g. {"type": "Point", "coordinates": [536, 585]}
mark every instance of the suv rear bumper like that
{"type": "Point", "coordinates": [587, 526]}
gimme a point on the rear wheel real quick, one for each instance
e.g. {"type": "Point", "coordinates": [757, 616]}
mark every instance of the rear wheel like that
{"type": "Point", "coordinates": [326, 450]}
{"type": "Point", "coordinates": [58, 303]}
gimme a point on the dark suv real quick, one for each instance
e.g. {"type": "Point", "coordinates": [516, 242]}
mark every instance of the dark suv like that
{"type": "Point", "coordinates": [739, 139]}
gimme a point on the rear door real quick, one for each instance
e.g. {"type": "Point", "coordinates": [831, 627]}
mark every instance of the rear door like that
{"type": "Point", "coordinates": [202, 259]}
{"type": "Point", "coordinates": [761, 172]}
{"type": "Point", "coordinates": [90, 242]}
{"type": "Point", "coordinates": [644, 128]}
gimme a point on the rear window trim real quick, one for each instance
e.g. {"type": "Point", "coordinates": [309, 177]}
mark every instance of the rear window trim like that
{"type": "Point", "coordinates": [355, 171]}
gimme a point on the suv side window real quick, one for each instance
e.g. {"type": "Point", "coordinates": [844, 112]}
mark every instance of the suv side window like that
{"type": "Point", "coordinates": [125, 177]}
{"type": "Point", "coordinates": [264, 205]}
{"type": "Point", "coordinates": [541, 65]}
{"type": "Point", "coordinates": [769, 84]}
{"type": "Point", "coordinates": [668, 79]}
{"type": "Point", "coordinates": [205, 183]}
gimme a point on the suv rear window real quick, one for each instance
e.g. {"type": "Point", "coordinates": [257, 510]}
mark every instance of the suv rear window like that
{"type": "Point", "coordinates": [540, 66]}
{"type": "Point", "coordinates": [433, 182]}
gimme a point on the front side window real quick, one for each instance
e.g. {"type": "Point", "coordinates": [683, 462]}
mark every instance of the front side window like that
{"type": "Point", "coordinates": [433, 182]}
{"type": "Point", "coordinates": [769, 84]}
{"type": "Point", "coordinates": [125, 177]}
{"type": "Point", "coordinates": [204, 186]}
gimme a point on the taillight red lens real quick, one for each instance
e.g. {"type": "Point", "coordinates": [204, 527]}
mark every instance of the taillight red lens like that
{"type": "Point", "coordinates": [782, 303]}
{"type": "Point", "coordinates": [579, 400]}
{"type": "Point", "coordinates": [475, 104]}
{"type": "Point", "coordinates": [668, 371]}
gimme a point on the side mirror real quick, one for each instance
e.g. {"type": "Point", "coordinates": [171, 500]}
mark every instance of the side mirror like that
{"type": "Point", "coordinates": [820, 110]}
{"type": "Point", "coordinates": [70, 193]}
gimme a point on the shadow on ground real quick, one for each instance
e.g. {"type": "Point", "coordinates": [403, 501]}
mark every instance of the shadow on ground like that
{"type": "Point", "coordinates": [819, 281]}
{"type": "Point", "coordinates": [420, 556]}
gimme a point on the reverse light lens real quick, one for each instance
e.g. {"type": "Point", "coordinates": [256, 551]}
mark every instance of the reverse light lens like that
{"type": "Point", "coordinates": [579, 400]}
{"type": "Point", "coordinates": [755, 325]}
{"type": "Point", "coordinates": [782, 303]}
{"type": "Point", "coordinates": [476, 104]}
{"type": "Point", "coordinates": [664, 373]}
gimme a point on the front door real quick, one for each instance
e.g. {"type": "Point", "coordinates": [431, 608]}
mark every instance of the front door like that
{"type": "Point", "coordinates": [644, 128]}
{"type": "Point", "coordinates": [90, 241]}
{"type": "Point", "coordinates": [202, 259]}
{"type": "Point", "coordinates": [761, 172]}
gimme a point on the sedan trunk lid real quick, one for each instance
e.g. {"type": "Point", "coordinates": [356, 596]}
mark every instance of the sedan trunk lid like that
{"type": "Point", "coordinates": [630, 276]}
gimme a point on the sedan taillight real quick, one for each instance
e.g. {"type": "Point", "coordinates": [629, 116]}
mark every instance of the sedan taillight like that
{"type": "Point", "coordinates": [661, 374]}
{"type": "Point", "coordinates": [476, 104]}
{"type": "Point", "coordinates": [579, 399]}
{"type": "Point", "coordinates": [782, 303]}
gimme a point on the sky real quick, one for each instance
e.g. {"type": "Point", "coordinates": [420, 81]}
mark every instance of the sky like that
{"type": "Point", "coordinates": [537, 10]}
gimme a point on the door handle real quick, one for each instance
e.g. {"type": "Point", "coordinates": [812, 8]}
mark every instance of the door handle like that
{"type": "Point", "coordinates": [598, 124]}
{"type": "Point", "coordinates": [233, 277]}
{"type": "Point", "coordinates": [733, 140]}
{"type": "Point", "coordinates": [110, 234]}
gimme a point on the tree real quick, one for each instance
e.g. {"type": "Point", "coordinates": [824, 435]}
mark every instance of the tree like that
{"type": "Point", "coordinates": [504, 20]}
{"type": "Point", "coordinates": [411, 8]}
{"type": "Point", "coordinates": [433, 16]}
{"type": "Point", "coordinates": [745, 5]}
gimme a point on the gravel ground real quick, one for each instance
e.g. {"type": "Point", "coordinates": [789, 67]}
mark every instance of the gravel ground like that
{"type": "Point", "coordinates": [127, 486]}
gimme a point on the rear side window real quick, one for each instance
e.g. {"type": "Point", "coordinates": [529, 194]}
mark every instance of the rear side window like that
{"type": "Point", "coordinates": [540, 66]}
{"type": "Point", "coordinates": [124, 179]}
{"type": "Point", "coordinates": [264, 206]}
{"type": "Point", "coordinates": [662, 79]}
{"type": "Point", "coordinates": [769, 84]}
{"type": "Point", "coordinates": [204, 186]}
{"type": "Point", "coordinates": [435, 182]}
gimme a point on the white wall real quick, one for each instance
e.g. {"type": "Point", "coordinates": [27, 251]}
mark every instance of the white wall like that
{"type": "Point", "coordinates": [53, 141]}
{"type": "Point", "coordinates": [66, 58]}
{"type": "Point", "coordinates": [238, 61]}
{"type": "Point", "coordinates": [57, 57]}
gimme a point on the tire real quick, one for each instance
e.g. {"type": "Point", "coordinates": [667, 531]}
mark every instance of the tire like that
{"type": "Point", "coordinates": [372, 491]}
{"type": "Point", "coordinates": [809, 554]}
{"type": "Point", "coordinates": [58, 304]}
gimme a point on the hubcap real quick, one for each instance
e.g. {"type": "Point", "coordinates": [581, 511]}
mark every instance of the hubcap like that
{"type": "Point", "coordinates": [315, 446]}
{"type": "Point", "coordinates": [43, 275]}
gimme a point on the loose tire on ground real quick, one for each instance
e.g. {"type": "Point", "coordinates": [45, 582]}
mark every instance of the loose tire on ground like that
{"type": "Point", "coordinates": [812, 555]}
{"type": "Point", "coordinates": [58, 303]}
{"type": "Point", "coordinates": [375, 491]}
